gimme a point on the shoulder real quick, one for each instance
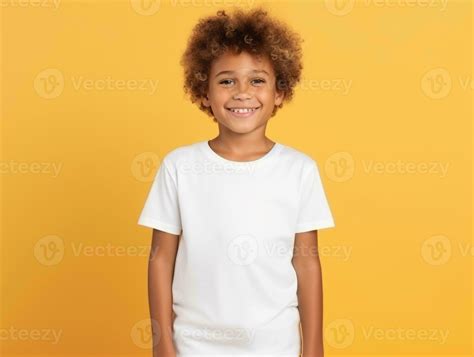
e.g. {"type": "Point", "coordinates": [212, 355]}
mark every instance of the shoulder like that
{"type": "Point", "coordinates": [298, 159]}
{"type": "Point", "coordinates": [174, 156]}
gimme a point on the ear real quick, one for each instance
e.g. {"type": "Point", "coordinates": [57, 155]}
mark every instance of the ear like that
{"type": "Point", "coordinates": [279, 97]}
{"type": "Point", "coordinates": [205, 101]}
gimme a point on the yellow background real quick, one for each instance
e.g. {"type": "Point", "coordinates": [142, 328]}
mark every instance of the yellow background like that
{"type": "Point", "coordinates": [77, 163]}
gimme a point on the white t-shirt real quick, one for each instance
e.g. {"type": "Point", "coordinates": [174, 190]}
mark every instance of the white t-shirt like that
{"type": "Point", "coordinates": [234, 286]}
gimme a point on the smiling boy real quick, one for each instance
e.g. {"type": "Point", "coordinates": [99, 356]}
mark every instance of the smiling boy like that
{"type": "Point", "coordinates": [234, 269]}
{"type": "Point", "coordinates": [242, 100]}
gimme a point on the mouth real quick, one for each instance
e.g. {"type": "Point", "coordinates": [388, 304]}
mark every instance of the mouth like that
{"type": "Point", "coordinates": [243, 112]}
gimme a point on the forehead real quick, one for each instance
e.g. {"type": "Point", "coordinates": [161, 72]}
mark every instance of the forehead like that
{"type": "Point", "coordinates": [243, 63]}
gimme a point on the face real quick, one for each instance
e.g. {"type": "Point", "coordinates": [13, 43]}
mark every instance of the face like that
{"type": "Point", "coordinates": [242, 92]}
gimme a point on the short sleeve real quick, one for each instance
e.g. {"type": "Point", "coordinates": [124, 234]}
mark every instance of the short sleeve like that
{"type": "Point", "coordinates": [313, 210]}
{"type": "Point", "coordinates": [161, 210]}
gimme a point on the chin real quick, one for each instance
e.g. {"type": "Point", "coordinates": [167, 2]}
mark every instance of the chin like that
{"type": "Point", "coordinates": [241, 129]}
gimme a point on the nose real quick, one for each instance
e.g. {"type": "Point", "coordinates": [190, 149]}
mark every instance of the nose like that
{"type": "Point", "coordinates": [242, 92]}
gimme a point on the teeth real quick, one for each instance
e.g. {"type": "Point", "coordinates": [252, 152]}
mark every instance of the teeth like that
{"type": "Point", "coordinates": [242, 110]}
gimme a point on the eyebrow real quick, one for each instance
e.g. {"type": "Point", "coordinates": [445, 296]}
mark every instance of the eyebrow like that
{"type": "Point", "coordinates": [254, 71]}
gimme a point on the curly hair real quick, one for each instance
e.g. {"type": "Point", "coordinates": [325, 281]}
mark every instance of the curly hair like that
{"type": "Point", "coordinates": [254, 32]}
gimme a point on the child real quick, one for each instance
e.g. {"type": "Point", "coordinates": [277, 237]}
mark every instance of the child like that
{"type": "Point", "coordinates": [234, 267]}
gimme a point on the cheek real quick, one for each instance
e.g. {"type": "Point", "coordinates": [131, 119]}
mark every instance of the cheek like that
{"type": "Point", "coordinates": [265, 95]}
{"type": "Point", "coordinates": [220, 97]}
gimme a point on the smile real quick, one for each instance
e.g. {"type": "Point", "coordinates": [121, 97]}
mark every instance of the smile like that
{"type": "Point", "coordinates": [242, 112]}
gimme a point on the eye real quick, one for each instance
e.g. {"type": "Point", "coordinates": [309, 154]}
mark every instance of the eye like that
{"type": "Point", "coordinates": [260, 80]}
{"type": "Point", "coordinates": [225, 81]}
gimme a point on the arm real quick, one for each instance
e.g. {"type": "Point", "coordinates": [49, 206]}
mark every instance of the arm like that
{"type": "Point", "coordinates": [160, 277]}
{"type": "Point", "coordinates": [310, 293]}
